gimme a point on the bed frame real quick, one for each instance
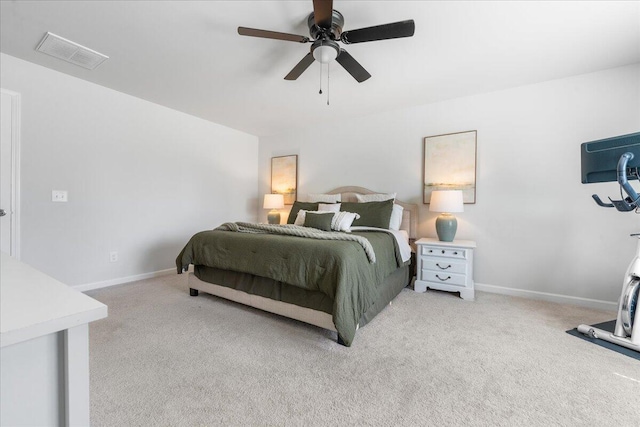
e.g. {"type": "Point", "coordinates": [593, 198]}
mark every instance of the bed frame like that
{"type": "Point", "coordinates": [303, 314]}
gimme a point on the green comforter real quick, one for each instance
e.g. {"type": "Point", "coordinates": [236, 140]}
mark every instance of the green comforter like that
{"type": "Point", "coordinates": [339, 269]}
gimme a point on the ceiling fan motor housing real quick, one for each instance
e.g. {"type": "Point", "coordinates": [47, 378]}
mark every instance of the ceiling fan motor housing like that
{"type": "Point", "coordinates": [333, 33]}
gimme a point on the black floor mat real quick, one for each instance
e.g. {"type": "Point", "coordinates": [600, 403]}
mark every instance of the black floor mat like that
{"type": "Point", "coordinates": [607, 326]}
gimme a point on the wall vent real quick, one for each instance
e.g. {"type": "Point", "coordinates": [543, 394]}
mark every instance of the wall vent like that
{"type": "Point", "coordinates": [69, 51]}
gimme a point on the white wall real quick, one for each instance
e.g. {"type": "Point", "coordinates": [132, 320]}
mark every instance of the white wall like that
{"type": "Point", "coordinates": [535, 224]}
{"type": "Point", "coordinates": [141, 178]}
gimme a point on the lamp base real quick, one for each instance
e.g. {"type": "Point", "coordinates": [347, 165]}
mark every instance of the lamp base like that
{"type": "Point", "coordinates": [446, 227]}
{"type": "Point", "coordinates": [273, 217]}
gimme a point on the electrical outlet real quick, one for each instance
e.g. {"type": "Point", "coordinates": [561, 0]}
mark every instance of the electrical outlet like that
{"type": "Point", "coordinates": [113, 256]}
{"type": "Point", "coordinates": [58, 196]}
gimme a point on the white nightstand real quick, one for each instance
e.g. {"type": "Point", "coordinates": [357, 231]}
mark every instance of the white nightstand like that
{"type": "Point", "coordinates": [447, 266]}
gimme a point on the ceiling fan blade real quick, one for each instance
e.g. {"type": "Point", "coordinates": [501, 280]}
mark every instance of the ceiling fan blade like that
{"type": "Point", "coordinates": [380, 32]}
{"type": "Point", "coordinates": [299, 69]}
{"type": "Point", "coordinates": [323, 12]}
{"type": "Point", "coordinates": [352, 66]}
{"type": "Point", "coordinates": [244, 31]}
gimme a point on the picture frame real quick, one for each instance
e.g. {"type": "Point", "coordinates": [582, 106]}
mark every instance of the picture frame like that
{"type": "Point", "coordinates": [284, 177]}
{"type": "Point", "coordinates": [450, 164]}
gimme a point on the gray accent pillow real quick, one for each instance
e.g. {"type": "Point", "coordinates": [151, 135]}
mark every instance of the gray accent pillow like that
{"type": "Point", "coordinates": [372, 214]}
{"type": "Point", "coordinates": [300, 205]}
{"type": "Point", "coordinates": [321, 221]}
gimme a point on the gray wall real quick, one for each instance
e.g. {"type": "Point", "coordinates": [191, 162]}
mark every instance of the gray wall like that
{"type": "Point", "coordinates": [539, 233]}
{"type": "Point", "coordinates": [141, 178]}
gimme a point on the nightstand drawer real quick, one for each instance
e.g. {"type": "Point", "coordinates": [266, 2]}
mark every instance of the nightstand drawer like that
{"type": "Point", "coordinates": [447, 266]}
{"type": "Point", "coordinates": [444, 252]}
{"type": "Point", "coordinates": [443, 277]}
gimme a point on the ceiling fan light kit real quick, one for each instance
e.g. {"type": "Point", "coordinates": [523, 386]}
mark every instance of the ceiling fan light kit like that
{"type": "Point", "coordinates": [325, 51]}
{"type": "Point", "coordinates": [325, 29]}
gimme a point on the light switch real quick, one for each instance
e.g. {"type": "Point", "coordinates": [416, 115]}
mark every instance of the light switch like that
{"type": "Point", "coordinates": [59, 196]}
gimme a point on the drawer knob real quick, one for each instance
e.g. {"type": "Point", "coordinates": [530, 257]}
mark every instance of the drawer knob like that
{"type": "Point", "coordinates": [443, 268]}
{"type": "Point", "coordinates": [443, 251]}
{"type": "Point", "coordinates": [441, 279]}
{"type": "Point", "coordinates": [455, 253]}
{"type": "Point", "coordinates": [430, 250]}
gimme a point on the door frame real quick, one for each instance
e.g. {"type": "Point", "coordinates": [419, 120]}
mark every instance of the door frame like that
{"type": "Point", "coordinates": [15, 171]}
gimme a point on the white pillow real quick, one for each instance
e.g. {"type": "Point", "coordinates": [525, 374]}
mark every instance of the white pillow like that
{"type": "Point", "coordinates": [329, 207]}
{"type": "Point", "coordinates": [324, 198]}
{"type": "Point", "coordinates": [302, 214]}
{"type": "Point", "coordinates": [396, 217]}
{"type": "Point", "coordinates": [378, 197]}
{"type": "Point", "coordinates": [342, 221]}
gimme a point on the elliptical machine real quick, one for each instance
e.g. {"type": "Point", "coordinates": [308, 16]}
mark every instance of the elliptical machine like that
{"type": "Point", "coordinates": [627, 329]}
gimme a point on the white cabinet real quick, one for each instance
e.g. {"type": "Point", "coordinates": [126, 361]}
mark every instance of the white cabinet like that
{"type": "Point", "coordinates": [447, 266]}
{"type": "Point", "coordinates": [44, 348]}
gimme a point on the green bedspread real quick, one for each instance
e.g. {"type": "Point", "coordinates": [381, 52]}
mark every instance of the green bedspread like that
{"type": "Point", "coordinates": [339, 269]}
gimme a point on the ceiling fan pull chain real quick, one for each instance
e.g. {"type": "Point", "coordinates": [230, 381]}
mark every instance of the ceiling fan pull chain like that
{"type": "Point", "coordinates": [320, 92]}
{"type": "Point", "coordinates": [328, 86]}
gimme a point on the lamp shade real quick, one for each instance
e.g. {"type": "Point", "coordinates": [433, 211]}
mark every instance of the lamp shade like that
{"type": "Point", "coordinates": [273, 201]}
{"type": "Point", "coordinates": [446, 201]}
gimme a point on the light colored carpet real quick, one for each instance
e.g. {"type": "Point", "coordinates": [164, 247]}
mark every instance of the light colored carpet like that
{"type": "Point", "coordinates": [165, 358]}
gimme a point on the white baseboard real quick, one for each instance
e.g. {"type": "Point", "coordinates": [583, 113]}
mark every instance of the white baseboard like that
{"type": "Point", "coordinates": [121, 280]}
{"type": "Point", "coordinates": [545, 296]}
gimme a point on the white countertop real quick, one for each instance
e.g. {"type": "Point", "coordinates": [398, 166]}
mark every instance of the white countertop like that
{"type": "Point", "coordinates": [33, 304]}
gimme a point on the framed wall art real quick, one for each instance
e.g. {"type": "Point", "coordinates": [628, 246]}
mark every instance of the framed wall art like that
{"type": "Point", "coordinates": [284, 177]}
{"type": "Point", "coordinates": [450, 164]}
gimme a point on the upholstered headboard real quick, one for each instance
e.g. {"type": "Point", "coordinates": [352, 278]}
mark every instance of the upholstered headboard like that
{"type": "Point", "coordinates": [409, 214]}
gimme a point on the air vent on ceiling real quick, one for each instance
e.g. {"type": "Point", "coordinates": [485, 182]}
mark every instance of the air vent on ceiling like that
{"type": "Point", "coordinates": [69, 51]}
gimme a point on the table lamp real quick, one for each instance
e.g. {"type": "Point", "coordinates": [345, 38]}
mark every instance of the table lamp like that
{"type": "Point", "coordinates": [273, 202]}
{"type": "Point", "coordinates": [446, 202]}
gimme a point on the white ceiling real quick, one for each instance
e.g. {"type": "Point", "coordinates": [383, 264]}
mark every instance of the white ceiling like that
{"type": "Point", "coordinates": [187, 55]}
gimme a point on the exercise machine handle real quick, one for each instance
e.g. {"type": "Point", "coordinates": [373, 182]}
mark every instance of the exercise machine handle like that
{"type": "Point", "coordinates": [600, 203]}
{"type": "Point", "coordinates": [629, 203]}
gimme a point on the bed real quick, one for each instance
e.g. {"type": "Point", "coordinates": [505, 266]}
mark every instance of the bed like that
{"type": "Point", "coordinates": [333, 284]}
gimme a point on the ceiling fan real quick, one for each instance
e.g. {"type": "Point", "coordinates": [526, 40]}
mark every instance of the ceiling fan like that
{"type": "Point", "coordinates": [325, 28]}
